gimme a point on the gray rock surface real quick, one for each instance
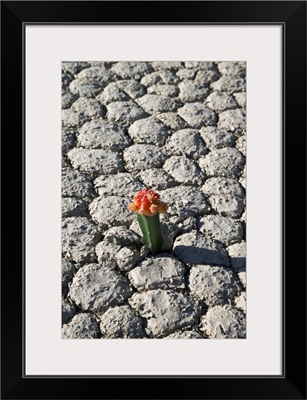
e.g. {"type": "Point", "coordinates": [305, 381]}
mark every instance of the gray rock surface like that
{"type": "Point", "coordinates": [186, 142]}
{"type": "Point", "coordinates": [240, 301]}
{"type": "Point", "coordinates": [165, 310]}
{"type": "Point", "coordinates": [241, 144]}
{"type": "Point", "coordinates": [172, 120]}
{"type": "Point", "coordinates": [227, 162]}
{"type": "Point", "coordinates": [106, 253]}
{"type": "Point", "coordinates": [242, 276]}
{"type": "Point", "coordinates": [101, 134]}
{"type": "Point", "coordinates": [143, 156]}
{"type": "Point", "coordinates": [67, 98]}
{"type": "Point", "coordinates": [111, 211]}
{"type": "Point", "coordinates": [214, 138]}
{"type": "Point", "coordinates": [72, 207]}
{"type": "Point", "coordinates": [223, 187]}
{"type": "Point", "coordinates": [122, 236]}
{"type": "Point", "coordinates": [237, 254]}
{"type": "Point", "coordinates": [240, 98]}
{"type": "Point", "coordinates": [95, 162]}
{"type": "Point", "coordinates": [232, 68]}
{"type": "Point", "coordinates": [97, 74]}
{"type": "Point", "coordinates": [154, 104]}
{"type": "Point", "coordinates": [122, 184]}
{"type": "Point", "coordinates": [223, 229]}
{"type": "Point", "coordinates": [125, 112]}
{"type": "Point", "coordinates": [191, 92]}
{"type": "Point", "coordinates": [213, 285]}
{"type": "Point", "coordinates": [127, 258]}
{"type": "Point", "coordinates": [194, 248]}
{"type": "Point", "coordinates": [230, 84]}
{"type": "Point", "coordinates": [79, 237]}
{"type": "Point", "coordinates": [85, 88]}
{"type": "Point", "coordinates": [131, 70]}
{"type": "Point", "coordinates": [73, 119]}
{"type": "Point", "coordinates": [224, 322]}
{"type": "Point", "coordinates": [233, 120]}
{"type": "Point", "coordinates": [161, 272]}
{"type": "Point", "coordinates": [68, 270]}
{"type": "Point", "coordinates": [148, 130]}
{"type": "Point", "coordinates": [221, 101]}
{"type": "Point", "coordinates": [189, 334]}
{"type": "Point", "coordinates": [82, 326]}
{"type": "Point", "coordinates": [89, 107]}
{"type": "Point", "coordinates": [96, 287]}
{"type": "Point", "coordinates": [197, 115]}
{"type": "Point", "coordinates": [122, 322]}
{"type": "Point", "coordinates": [184, 170]}
{"type": "Point", "coordinates": [130, 87]}
{"type": "Point", "coordinates": [163, 90]}
{"type": "Point", "coordinates": [227, 206]}
{"type": "Point", "coordinates": [185, 201]}
{"type": "Point", "coordinates": [73, 67]}
{"type": "Point", "coordinates": [157, 179]}
{"type": "Point", "coordinates": [76, 184]}
{"type": "Point", "coordinates": [68, 139]}
{"type": "Point", "coordinates": [68, 311]}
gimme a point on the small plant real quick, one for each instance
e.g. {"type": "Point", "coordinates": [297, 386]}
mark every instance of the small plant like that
{"type": "Point", "coordinates": [148, 206]}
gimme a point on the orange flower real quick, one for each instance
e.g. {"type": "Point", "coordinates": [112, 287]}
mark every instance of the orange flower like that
{"type": "Point", "coordinates": [147, 202]}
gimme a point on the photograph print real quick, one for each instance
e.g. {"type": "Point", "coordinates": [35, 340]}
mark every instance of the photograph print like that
{"type": "Point", "coordinates": [154, 200]}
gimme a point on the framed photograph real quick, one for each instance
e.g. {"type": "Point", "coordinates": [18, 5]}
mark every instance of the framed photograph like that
{"type": "Point", "coordinates": [163, 150]}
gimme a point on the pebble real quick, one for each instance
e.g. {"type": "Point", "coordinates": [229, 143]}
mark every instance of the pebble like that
{"type": "Point", "coordinates": [197, 115]}
{"type": "Point", "coordinates": [101, 134]}
{"type": "Point", "coordinates": [221, 101]}
{"type": "Point", "coordinates": [226, 162]}
{"type": "Point", "coordinates": [213, 285]}
{"type": "Point", "coordinates": [111, 211]}
{"type": "Point", "coordinates": [195, 248]}
{"type": "Point", "coordinates": [185, 201]}
{"type": "Point", "coordinates": [122, 184]}
{"type": "Point", "coordinates": [82, 326]}
{"type": "Point", "coordinates": [224, 322]}
{"type": "Point", "coordinates": [160, 272]}
{"type": "Point", "coordinates": [89, 107]}
{"type": "Point", "coordinates": [143, 156]}
{"type": "Point", "coordinates": [127, 258]}
{"type": "Point", "coordinates": [148, 130]}
{"type": "Point", "coordinates": [72, 207]}
{"type": "Point", "coordinates": [214, 138]}
{"type": "Point", "coordinates": [166, 311]}
{"type": "Point", "coordinates": [84, 87]}
{"type": "Point", "coordinates": [94, 162]}
{"type": "Point", "coordinates": [96, 288]}
{"type": "Point", "coordinates": [172, 120]}
{"type": "Point", "coordinates": [223, 186]}
{"type": "Point", "coordinates": [79, 238]}
{"type": "Point", "coordinates": [154, 104]}
{"type": "Point", "coordinates": [122, 322]}
{"type": "Point", "coordinates": [184, 170]}
{"type": "Point", "coordinates": [186, 142]}
{"type": "Point", "coordinates": [157, 179]}
{"type": "Point", "coordinates": [237, 254]}
{"type": "Point", "coordinates": [233, 120]}
{"type": "Point", "coordinates": [124, 112]}
{"type": "Point", "coordinates": [191, 92]}
{"type": "Point", "coordinates": [223, 229]}
{"type": "Point", "coordinates": [76, 184]}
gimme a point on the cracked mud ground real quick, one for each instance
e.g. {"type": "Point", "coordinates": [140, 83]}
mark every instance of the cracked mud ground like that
{"type": "Point", "coordinates": [178, 128]}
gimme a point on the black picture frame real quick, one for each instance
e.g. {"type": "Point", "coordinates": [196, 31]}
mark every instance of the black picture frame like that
{"type": "Point", "coordinates": [292, 16]}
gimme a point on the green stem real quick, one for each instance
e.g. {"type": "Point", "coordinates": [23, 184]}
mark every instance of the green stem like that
{"type": "Point", "coordinates": [152, 232]}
